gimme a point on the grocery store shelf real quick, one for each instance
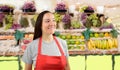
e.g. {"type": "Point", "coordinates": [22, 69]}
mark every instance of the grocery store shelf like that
{"type": "Point", "coordinates": [11, 53]}
{"type": "Point", "coordinates": [71, 52]}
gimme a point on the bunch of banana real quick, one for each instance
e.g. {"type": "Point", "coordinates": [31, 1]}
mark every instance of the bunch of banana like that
{"type": "Point", "coordinates": [103, 44]}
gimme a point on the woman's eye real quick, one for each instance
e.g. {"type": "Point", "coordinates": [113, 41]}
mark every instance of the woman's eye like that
{"type": "Point", "coordinates": [47, 21]}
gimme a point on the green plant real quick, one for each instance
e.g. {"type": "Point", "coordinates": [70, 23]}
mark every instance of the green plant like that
{"type": "Point", "coordinates": [93, 18]}
{"type": "Point", "coordinates": [75, 24]}
{"type": "Point", "coordinates": [58, 17]}
{"type": "Point", "coordinates": [9, 21]}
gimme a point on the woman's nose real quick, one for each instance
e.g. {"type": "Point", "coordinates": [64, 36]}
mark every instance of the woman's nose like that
{"type": "Point", "coordinates": [52, 23]}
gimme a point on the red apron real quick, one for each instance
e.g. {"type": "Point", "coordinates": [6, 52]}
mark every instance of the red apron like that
{"type": "Point", "coordinates": [45, 62]}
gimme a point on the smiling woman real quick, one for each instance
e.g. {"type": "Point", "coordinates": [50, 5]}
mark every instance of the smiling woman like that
{"type": "Point", "coordinates": [46, 51]}
{"type": "Point", "coordinates": [49, 24]}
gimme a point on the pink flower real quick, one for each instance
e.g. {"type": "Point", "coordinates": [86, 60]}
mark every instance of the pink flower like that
{"type": "Point", "coordinates": [60, 6]}
{"type": "Point", "coordinates": [16, 26]}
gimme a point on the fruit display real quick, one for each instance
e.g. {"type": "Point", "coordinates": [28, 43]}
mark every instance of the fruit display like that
{"type": "Point", "coordinates": [89, 40]}
{"type": "Point", "coordinates": [75, 41]}
{"type": "Point", "coordinates": [102, 40]}
{"type": "Point", "coordinates": [82, 35]}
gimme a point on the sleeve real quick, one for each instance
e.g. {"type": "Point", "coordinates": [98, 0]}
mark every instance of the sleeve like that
{"type": "Point", "coordinates": [27, 56]}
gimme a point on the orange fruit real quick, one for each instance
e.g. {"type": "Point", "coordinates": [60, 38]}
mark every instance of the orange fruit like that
{"type": "Point", "coordinates": [106, 34]}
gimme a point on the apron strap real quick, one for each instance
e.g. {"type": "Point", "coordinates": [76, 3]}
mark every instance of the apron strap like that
{"type": "Point", "coordinates": [39, 45]}
{"type": "Point", "coordinates": [58, 45]}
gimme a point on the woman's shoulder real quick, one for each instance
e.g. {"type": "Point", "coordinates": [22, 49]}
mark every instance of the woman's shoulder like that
{"type": "Point", "coordinates": [33, 43]}
{"type": "Point", "coordinates": [62, 41]}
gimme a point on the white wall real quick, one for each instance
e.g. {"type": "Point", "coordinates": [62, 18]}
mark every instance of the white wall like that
{"type": "Point", "coordinates": [50, 5]}
{"type": "Point", "coordinates": [40, 4]}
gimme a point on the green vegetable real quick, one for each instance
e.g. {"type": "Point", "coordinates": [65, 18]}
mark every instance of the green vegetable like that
{"type": "Point", "coordinates": [18, 35]}
{"type": "Point", "coordinates": [87, 33]}
{"type": "Point", "coordinates": [114, 33]}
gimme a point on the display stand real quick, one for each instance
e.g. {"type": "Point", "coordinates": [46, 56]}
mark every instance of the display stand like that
{"type": "Point", "coordinates": [86, 52]}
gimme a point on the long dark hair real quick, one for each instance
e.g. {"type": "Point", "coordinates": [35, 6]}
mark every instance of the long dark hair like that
{"type": "Point", "coordinates": [38, 25]}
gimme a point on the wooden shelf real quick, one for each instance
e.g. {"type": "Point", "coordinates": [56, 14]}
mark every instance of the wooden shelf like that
{"type": "Point", "coordinates": [72, 52]}
{"type": "Point", "coordinates": [93, 52]}
{"type": "Point", "coordinates": [12, 53]}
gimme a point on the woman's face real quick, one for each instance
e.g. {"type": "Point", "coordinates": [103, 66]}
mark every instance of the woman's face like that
{"type": "Point", "coordinates": [48, 24]}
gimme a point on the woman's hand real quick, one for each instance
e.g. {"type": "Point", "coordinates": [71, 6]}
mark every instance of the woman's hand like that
{"type": "Point", "coordinates": [28, 66]}
{"type": "Point", "coordinates": [67, 66]}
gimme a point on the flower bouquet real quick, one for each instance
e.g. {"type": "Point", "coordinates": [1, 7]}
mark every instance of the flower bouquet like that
{"type": "Point", "coordinates": [61, 7]}
{"type": "Point", "coordinates": [67, 21]}
{"type": "Point", "coordinates": [29, 7]}
{"type": "Point", "coordinates": [6, 8]}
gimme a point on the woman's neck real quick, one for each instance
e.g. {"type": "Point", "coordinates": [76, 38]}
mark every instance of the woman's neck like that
{"type": "Point", "coordinates": [47, 38]}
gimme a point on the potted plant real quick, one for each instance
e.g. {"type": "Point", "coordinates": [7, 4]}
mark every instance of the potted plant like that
{"type": "Point", "coordinates": [29, 7]}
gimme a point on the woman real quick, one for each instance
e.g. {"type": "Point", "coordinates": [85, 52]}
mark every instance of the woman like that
{"type": "Point", "coordinates": [46, 52]}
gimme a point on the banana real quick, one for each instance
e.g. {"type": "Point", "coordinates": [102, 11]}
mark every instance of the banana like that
{"type": "Point", "coordinates": [89, 45]}
{"type": "Point", "coordinates": [92, 43]}
{"type": "Point", "coordinates": [100, 44]}
{"type": "Point", "coordinates": [110, 43]}
{"type": "Point", "coordinates": [103, 44]}
{"type": "Point", "coordinates": [115, 42]}
{"type": "Point", "coordinates": [97, 43]}
{"type": "Point", "coordinates": [107, 44]}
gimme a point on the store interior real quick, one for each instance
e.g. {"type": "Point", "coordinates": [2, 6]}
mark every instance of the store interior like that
{"type": "Point", "coordinates": [91, 29]}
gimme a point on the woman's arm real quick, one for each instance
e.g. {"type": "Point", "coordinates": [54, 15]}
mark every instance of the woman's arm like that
{"type": "Point", "coordinates": [28, 66]}
{"type": "Point", "coordinates": [67, 66]}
